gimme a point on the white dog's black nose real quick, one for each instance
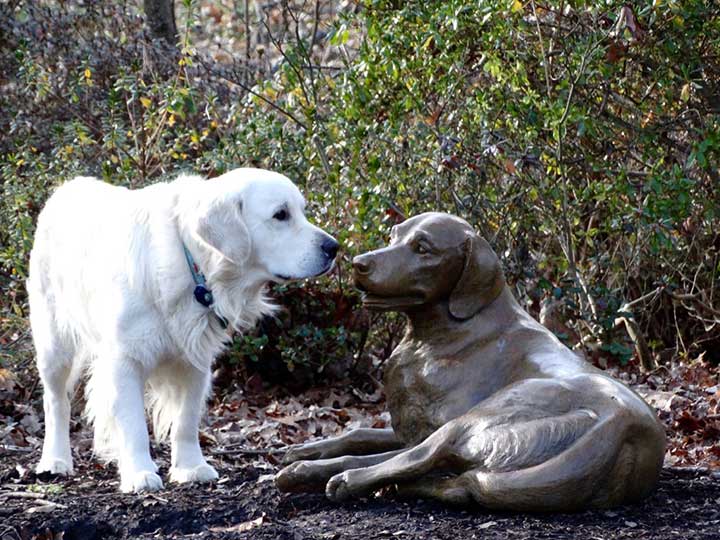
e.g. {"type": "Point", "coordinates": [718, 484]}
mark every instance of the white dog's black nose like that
{"type": "Point", "coordinates": [330, 248]}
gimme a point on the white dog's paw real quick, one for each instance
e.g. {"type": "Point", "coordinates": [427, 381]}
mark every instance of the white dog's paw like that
{"type": "Point", "coordinates": [55, 466]}
{"type": "Point", "coordinates": [140, 481]}
{"type": "Point", "coordinates": [201, 473]}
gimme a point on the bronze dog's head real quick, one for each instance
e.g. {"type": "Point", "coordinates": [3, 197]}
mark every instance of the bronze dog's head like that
{"type": "Point", "coordinates": [431, 258]}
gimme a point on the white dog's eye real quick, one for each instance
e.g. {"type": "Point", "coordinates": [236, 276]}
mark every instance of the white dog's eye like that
{"type": "Point", "coordinates": [422, 250]}
{"type": "Point", "coordinates": [281, 215]}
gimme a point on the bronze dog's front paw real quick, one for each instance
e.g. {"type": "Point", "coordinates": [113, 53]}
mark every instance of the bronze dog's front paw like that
{"type": "Point", "coordinates": [299, 452]}
{"type": "Point", "coordinates": [338, 487]}
{"type": "Point", "coordinates": [300, 476]}
{"type": "Point", "coordinates": [287, 479]}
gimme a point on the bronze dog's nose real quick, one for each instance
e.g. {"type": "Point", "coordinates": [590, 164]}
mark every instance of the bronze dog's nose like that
{"type": "Point", "coordinates": [362, 264]}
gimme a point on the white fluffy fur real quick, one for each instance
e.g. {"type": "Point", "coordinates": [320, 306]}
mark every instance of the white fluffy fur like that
{"type": "Point", "coordinates": [111, 297]}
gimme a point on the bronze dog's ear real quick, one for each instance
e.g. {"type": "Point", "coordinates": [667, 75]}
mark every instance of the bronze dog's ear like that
{"type": "Point", "coordinates": [481, 280]}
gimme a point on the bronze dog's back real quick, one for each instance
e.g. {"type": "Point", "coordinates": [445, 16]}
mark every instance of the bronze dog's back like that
{"type": "Point", "coordinates": [489, 405]}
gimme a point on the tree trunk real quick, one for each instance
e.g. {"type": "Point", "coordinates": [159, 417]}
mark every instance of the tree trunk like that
{"type": "Point", "coordinates": [160, 20]}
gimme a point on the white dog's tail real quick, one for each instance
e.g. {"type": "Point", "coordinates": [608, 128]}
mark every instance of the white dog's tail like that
{"type": "Point", "coordinates": [163, 402]}
{"type": "Point", "coordinates": [98, 412]}
{"type": "Point", "coordinates": [176, 393]}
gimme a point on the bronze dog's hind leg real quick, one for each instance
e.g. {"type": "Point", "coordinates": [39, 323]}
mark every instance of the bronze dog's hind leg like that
{"type": "Point", "coordinates": [357, 442]}
{"type": "Point", "coordinates": [452, 490]}
{"type": "Point", "coordinates": [584, 474]}
{"type": "Point", "coordinates": [587, 474]}
{"type": "Point", "coordinates": [313, 475]}
{"type": "Point", "coordinates": [474, 440]}
{"type": "Point", "coordinates": [407, 465]}
{"type": "Point", "coordinates": [590, 473]}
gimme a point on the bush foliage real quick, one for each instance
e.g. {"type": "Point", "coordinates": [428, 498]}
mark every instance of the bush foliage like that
{"type": "Point", "coordinates": [579, 137]}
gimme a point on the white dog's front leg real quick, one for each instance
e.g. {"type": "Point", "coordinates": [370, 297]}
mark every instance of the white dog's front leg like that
{"type": "Point", "coordinates": [56, 456]}
{"type": "Point", "coordinates": [187, 461]}
{"type": "Point", "coordinates": [124, 429]}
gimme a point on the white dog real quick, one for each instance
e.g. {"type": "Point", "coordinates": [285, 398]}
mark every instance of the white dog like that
{"type": "Point", "coordinates": [135, 289]}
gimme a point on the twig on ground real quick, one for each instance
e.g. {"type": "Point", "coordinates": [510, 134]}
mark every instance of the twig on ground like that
{"type": "Point", "coordinates": [247, 451]}
{"type": "Point", "coordinates": [45, 506]}
{"type": "Point", "coordinates": [13, 448]}
{"type": "Point", "coordinates": [647, 360]}
{"type": "Point", "coordinates": [157, 498]}
{"type": "Point", "coordinates": [20, 495]}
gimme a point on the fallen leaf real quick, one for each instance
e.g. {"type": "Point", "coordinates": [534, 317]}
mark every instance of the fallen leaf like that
{"type": "Point", "coordinates": [685, 92]}
{"type": "Point", "coordinates": [241, 527]}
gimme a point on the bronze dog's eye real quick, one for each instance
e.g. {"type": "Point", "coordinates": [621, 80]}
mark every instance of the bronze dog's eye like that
{"type": "Point", "coordinates": [281, 215]}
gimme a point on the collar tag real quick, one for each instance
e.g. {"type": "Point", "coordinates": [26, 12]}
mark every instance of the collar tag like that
{"type": "Point", "coordinates": [203, 295]}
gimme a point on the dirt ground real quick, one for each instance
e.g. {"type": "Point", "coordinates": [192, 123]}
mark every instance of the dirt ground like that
{"type": "Point", "coordinates": [244, 504]}
{"type": "Point", "coordinates": [242, 438]}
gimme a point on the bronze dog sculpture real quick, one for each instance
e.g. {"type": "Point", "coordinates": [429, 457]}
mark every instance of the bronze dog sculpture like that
{"type": "Point", "coordinates": [486, 403]}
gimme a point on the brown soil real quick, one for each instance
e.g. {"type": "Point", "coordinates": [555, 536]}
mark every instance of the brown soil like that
{"type": "Point", "coordinates": [245, 504]}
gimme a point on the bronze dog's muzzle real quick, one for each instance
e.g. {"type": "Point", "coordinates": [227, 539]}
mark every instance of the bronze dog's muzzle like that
{"type": "Point", "coordinates": [380, 276]}
{"type": "Point", "coordinates": [362, 267]}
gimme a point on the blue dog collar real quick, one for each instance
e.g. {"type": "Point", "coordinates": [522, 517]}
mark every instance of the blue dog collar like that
{"type": "Point", "coordinates": [202, 294]}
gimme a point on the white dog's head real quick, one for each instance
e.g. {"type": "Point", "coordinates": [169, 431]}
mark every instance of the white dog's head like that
{"type": "Point", "coordinates": [256, 219]}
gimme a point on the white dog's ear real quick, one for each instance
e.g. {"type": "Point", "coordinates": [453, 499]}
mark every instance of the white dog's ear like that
{"type": "Point", "coordinates": [481, 280]}
{"type": "Point", "coordinates": [221, 225]}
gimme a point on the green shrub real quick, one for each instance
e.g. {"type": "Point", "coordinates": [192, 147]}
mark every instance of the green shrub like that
{"type": "Point", "coordinates": [574, 135]}
{"type": "Point", "coordinates": [580, 138]}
